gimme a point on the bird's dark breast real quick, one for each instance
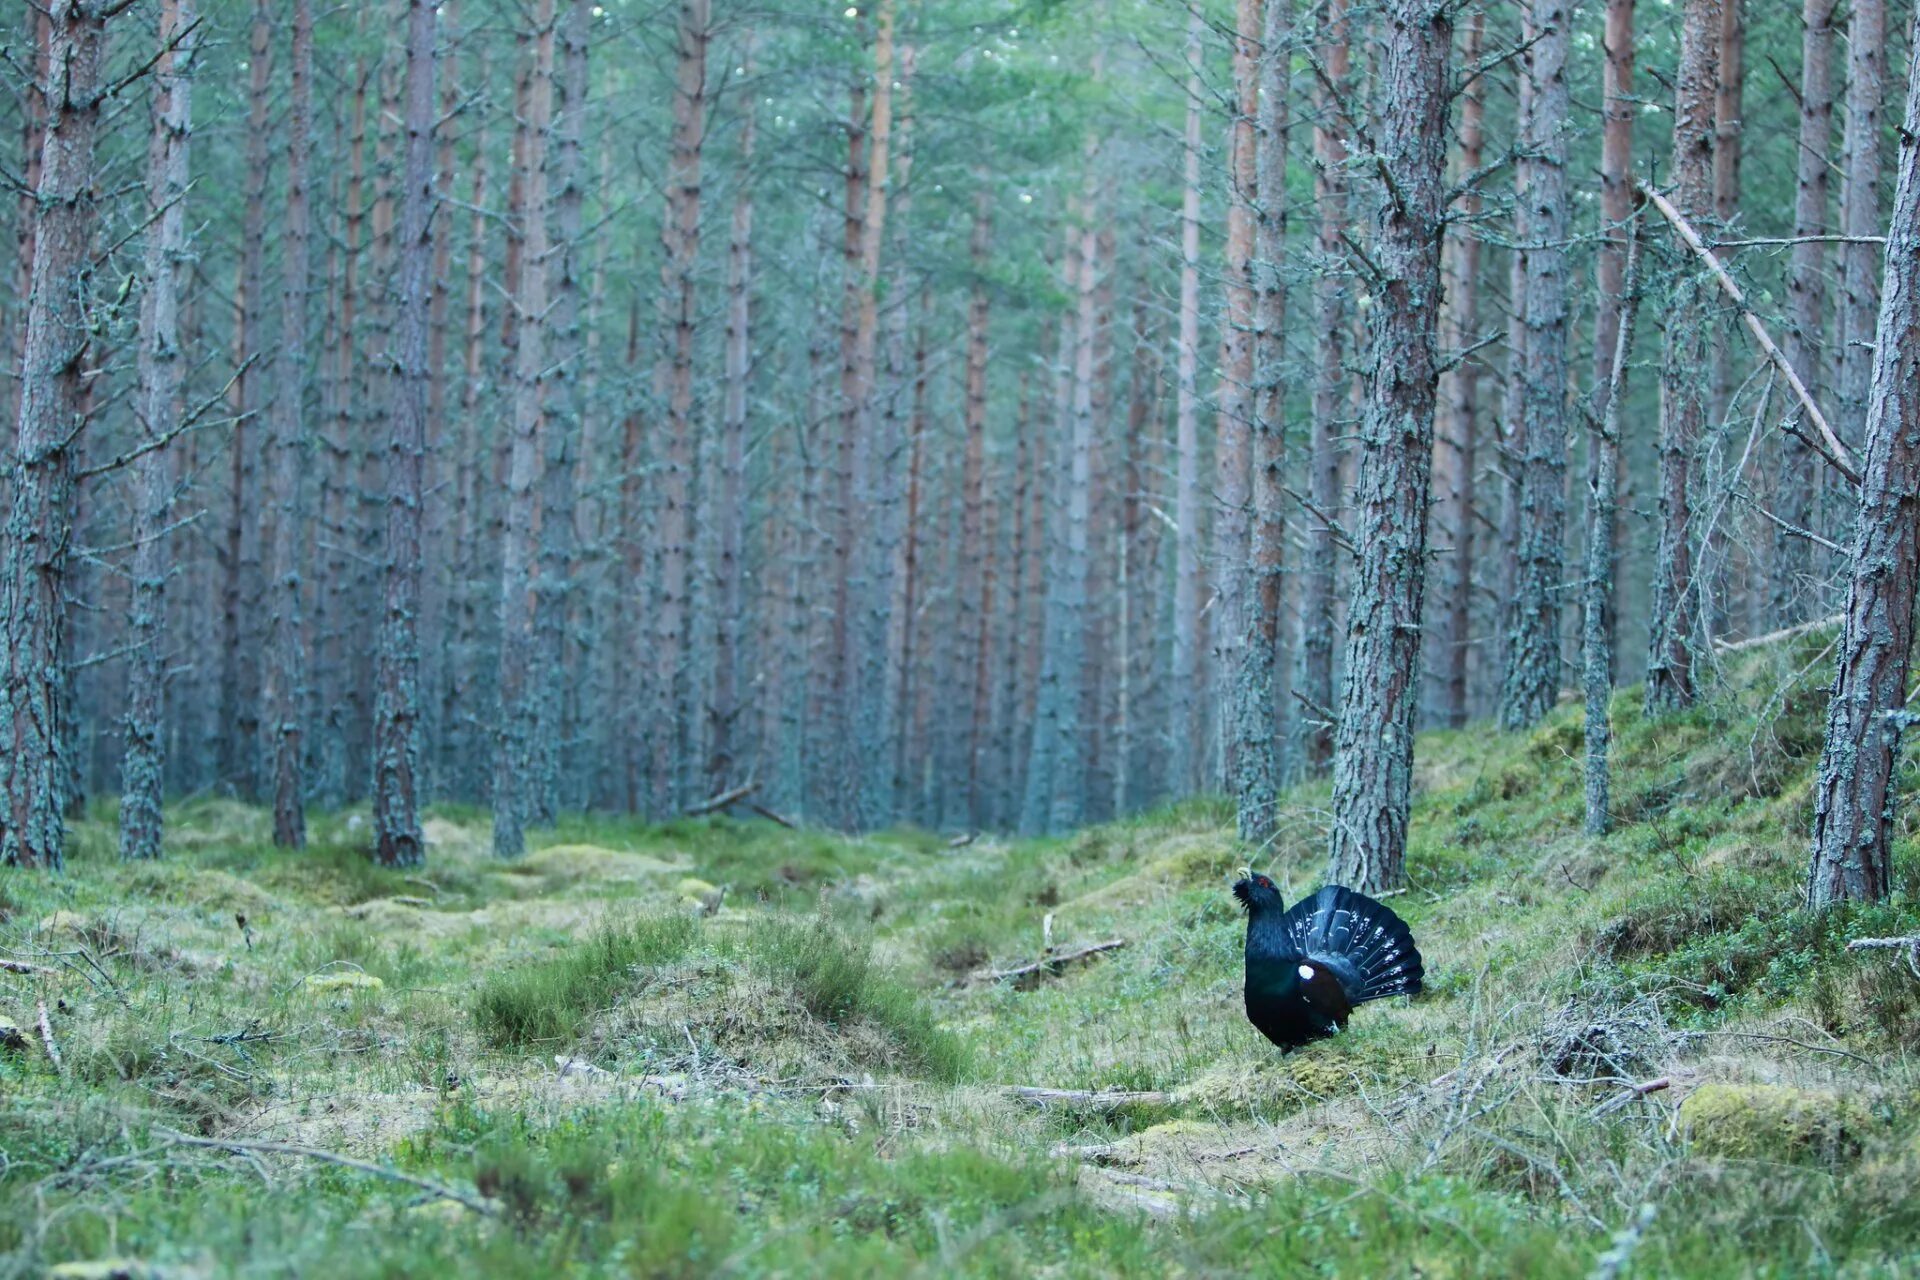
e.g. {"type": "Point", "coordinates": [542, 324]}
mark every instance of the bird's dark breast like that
{"type": "Point", "coordinates": [1292, 1013]}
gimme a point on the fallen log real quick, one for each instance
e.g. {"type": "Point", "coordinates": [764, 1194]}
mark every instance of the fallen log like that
{"type": "Point", "coordinates": [1911, 945]}
{"type": "Point", "coordinates": [1098, 1099]}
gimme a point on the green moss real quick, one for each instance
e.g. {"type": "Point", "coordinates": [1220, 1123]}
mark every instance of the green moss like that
{"type": "Point", "coordinates": [1772, 1122]}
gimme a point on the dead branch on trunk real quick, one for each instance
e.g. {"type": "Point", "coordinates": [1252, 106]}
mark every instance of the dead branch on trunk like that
{"type": "Point", "coordinates": [1835, 453]}
{"type": "Point", "coordinates": [724, 799]}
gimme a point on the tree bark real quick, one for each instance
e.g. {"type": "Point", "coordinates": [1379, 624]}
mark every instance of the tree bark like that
{"type": "Point", "coordinates": [1860, 211]}
{"type": "Point", "coordinates": [397, 706]}
{"type": "Point", "coordinates": [1233, 439]}
{"type": "Point", "coordinates": [1256, 718]}
{"type": "Point", "coordinates": [1184, 736]}
{"type": "Point", "coordinates": [723, 762]}
{"type": "Point", "coordinates": [1532, 678]}
{"type": "Point", "coordinates": [1867, 714]}
{"type": "Point", "coordinates": [143, 772]}
{"type": "Point", "coordinates": [976, 563]}
{"type": "Point", "coordinates": [1373, 760]}
{"type": "Point", "coordinates": [285, 693]}
{"type": "Point", "coordinates": [672, 732]}
{"type": "Point", "coordinates": [1670, 683]}
{"type": "Point", "coordinates": [514, 757]}
{"type": "Point", "coordinates": [1459, 434]}
{"type": "Point", "coordinates": [1791, 570]}
{"type": "Point", "coordinates": [1330, 390]}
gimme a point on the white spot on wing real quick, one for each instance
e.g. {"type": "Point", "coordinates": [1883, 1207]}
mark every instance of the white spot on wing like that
{"type": "Point", "coordinates": [1306, 973]}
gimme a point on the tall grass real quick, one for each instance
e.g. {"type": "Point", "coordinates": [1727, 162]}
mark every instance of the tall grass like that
{"type": "Point", "coordinates": [551, 1001]}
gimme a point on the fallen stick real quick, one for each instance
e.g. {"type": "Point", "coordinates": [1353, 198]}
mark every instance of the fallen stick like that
{"type": "Point", "coordinates": [1911, 945]}
{"type": "Point", "coordinates": [1784, 633]}
{"type": "Point", "coordinates": [1633, 1093]}
{"type": "Point", "coordinates": [1837, 453]}
{"type": "Point", "coordinates": [46, 1035]}
{"type": "Point", "coordinates": [1101, 1099]}
{"type": "Point", "coordinates": [1053, 964]}
{"type": "Point", "coordinates": [21, 966]}
{"type": "Point", "coordinates": [477, 1203]}
{"type": "Point", "coordinates": [771, 816]}
{"type": "Point", "coordinates": [724, 799]}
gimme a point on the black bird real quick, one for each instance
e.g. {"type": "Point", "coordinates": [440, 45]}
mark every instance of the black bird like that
{"type": "Point", "coordinates": [1307, 968]}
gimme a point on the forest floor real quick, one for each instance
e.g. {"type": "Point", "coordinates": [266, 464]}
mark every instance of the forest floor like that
{"type": "Point", "coordinates": [575, 1065]}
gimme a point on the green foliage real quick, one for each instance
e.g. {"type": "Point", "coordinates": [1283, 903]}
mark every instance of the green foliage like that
{"type": "Point", "coordinates": [549, 1001]}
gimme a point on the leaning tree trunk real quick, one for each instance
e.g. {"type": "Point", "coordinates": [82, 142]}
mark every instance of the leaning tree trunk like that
{"type": "Point", "coordinates": [1256, 718]}
{"type": "Point", "coordinates": [33, 553]}
{"type": "Point", "coordinates": [1791, 570]}
{"type": "Point", "coordinates": [1853, 798]}
{"type": "Point", "coordinates": [397, 692]}
{"type": "Point", "coordinates": [1682, 373]}
{"type": "Point", "coordinates": [1331, 383]}
{"type": "Point", "coordinates": [1373, 750]}
{"type": "Point", "coordinates": [1532, 678]}
{"type": "Point", "coordinates": [514, 749]}
{"type": "Point", "coordinates": [143, 773]}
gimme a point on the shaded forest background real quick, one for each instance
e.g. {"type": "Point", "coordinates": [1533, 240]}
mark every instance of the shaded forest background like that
{"type": "Point", "coordinates": [841, 399]}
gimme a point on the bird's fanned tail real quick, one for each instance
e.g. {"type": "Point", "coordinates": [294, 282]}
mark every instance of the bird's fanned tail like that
{"type": "Point", "coordinates": [1361, 940]}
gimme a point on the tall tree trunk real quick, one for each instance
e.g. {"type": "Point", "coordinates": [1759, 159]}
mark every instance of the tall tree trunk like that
{"type": "Point", "coordinates": [285, 694]}
{"type": "Point", "coordinates": [1532, 678]}
{"type": "Point", "coordinates": [1853, 797]}
{"type": "Point", "coordinates": [561, 418]}
{"type": "Point", "coordinates": [1256, 718]}
{"type": "Point", "coordinates": [730, 606]}
{"type": "Point", "coordinates": [976, 588]}
{"type": "Point", "coordinates": [1791, 570]}
{"type": "Point", "coordinates": [1684, 358]}
{"type": "Point", "coordinates": [1373, 753]}
{"type": "Point", "coordinates": [1330, 392]}
{"type": "Point", "coordinates": [1461, 401]}
{"type": "Point", "coordinates": [673, 728]}
{"type": "Point", "coordinates": [515, 751]}
{"type": "Point", "coordinates": [461, 709]}
{"type": "Point", "coordinates": [143, 775]}
{"type": "Point", "coordinates": [397, 704]}
{"type": "Point", "coordinates": [1184, 736]}
{"type": "Point", "coordinates": [1596, 635]}
{"type": "Point", "coordinates": [240, 573]}
{"type": "Point", "coordinates": [1860, 211]}
{"type": "Point", "coordinates": [1233, 441]}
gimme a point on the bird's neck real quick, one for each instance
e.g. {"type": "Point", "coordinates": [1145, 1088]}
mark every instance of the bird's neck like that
{"type": "Point", "coordinates": [1265, 936]}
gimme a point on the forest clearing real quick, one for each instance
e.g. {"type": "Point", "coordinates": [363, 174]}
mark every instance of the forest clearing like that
{"type": "Point", "coordinates": [1006, 637]}
{"type": "Point", "coordinates": [579, 1065]}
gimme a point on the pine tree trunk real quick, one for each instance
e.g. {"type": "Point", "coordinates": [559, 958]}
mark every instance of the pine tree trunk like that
{"type": "Point", "coordinates": [1233, 441]}
{"type": "Point", "coordinates": [976, 563]}
{"type": "Point", "coordinates": [1461, 401]}
{"type": "Point", "coordinates": [398, 699]}
{"type": "Point", "coordinates": [1256, 718]}
{"type": "Point", "coordinates": [1596, 636]}
{"type": "Point", "coordinates": [561, 420]}
{"type": "Point", "coordinates": [673, 727]}
{"type": "Point", "coordinates": [1330, 391]}
{"type": "Point", "coordinates": [1373, 755]}
{"type": "Point", "coordinates": [1184, 732]}
{"type": "Point", "coordinates": [1532, 678]}
{"type": "Point", "coordinates": [240, 585]}
{"type": "Point", "coordinates": [286, 682]}
{"type": "Point", "coordinates": [1670, 683]}
{"type": "Point", "coordinates": [1791, 570]}
{"type": "Point", "coordinates": [1853, 796]}
{"type": "Point", "coordinates": [143, 773]}
{"type": "Point", "coordinates": [515, 751]}
{"type": "Point", "coordinates": [730, 606]}
{"type": "Point", "coordinates": [1860, 263]}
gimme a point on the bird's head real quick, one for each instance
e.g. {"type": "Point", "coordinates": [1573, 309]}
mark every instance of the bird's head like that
{"type": "Point", "coordinates": [1257, 893]}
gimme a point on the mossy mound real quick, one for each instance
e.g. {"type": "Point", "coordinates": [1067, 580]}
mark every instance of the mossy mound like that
{"type": "Point", "coordinates": [593, 864]}
{"type": "Point", "coordinates": [1772, 1122]}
